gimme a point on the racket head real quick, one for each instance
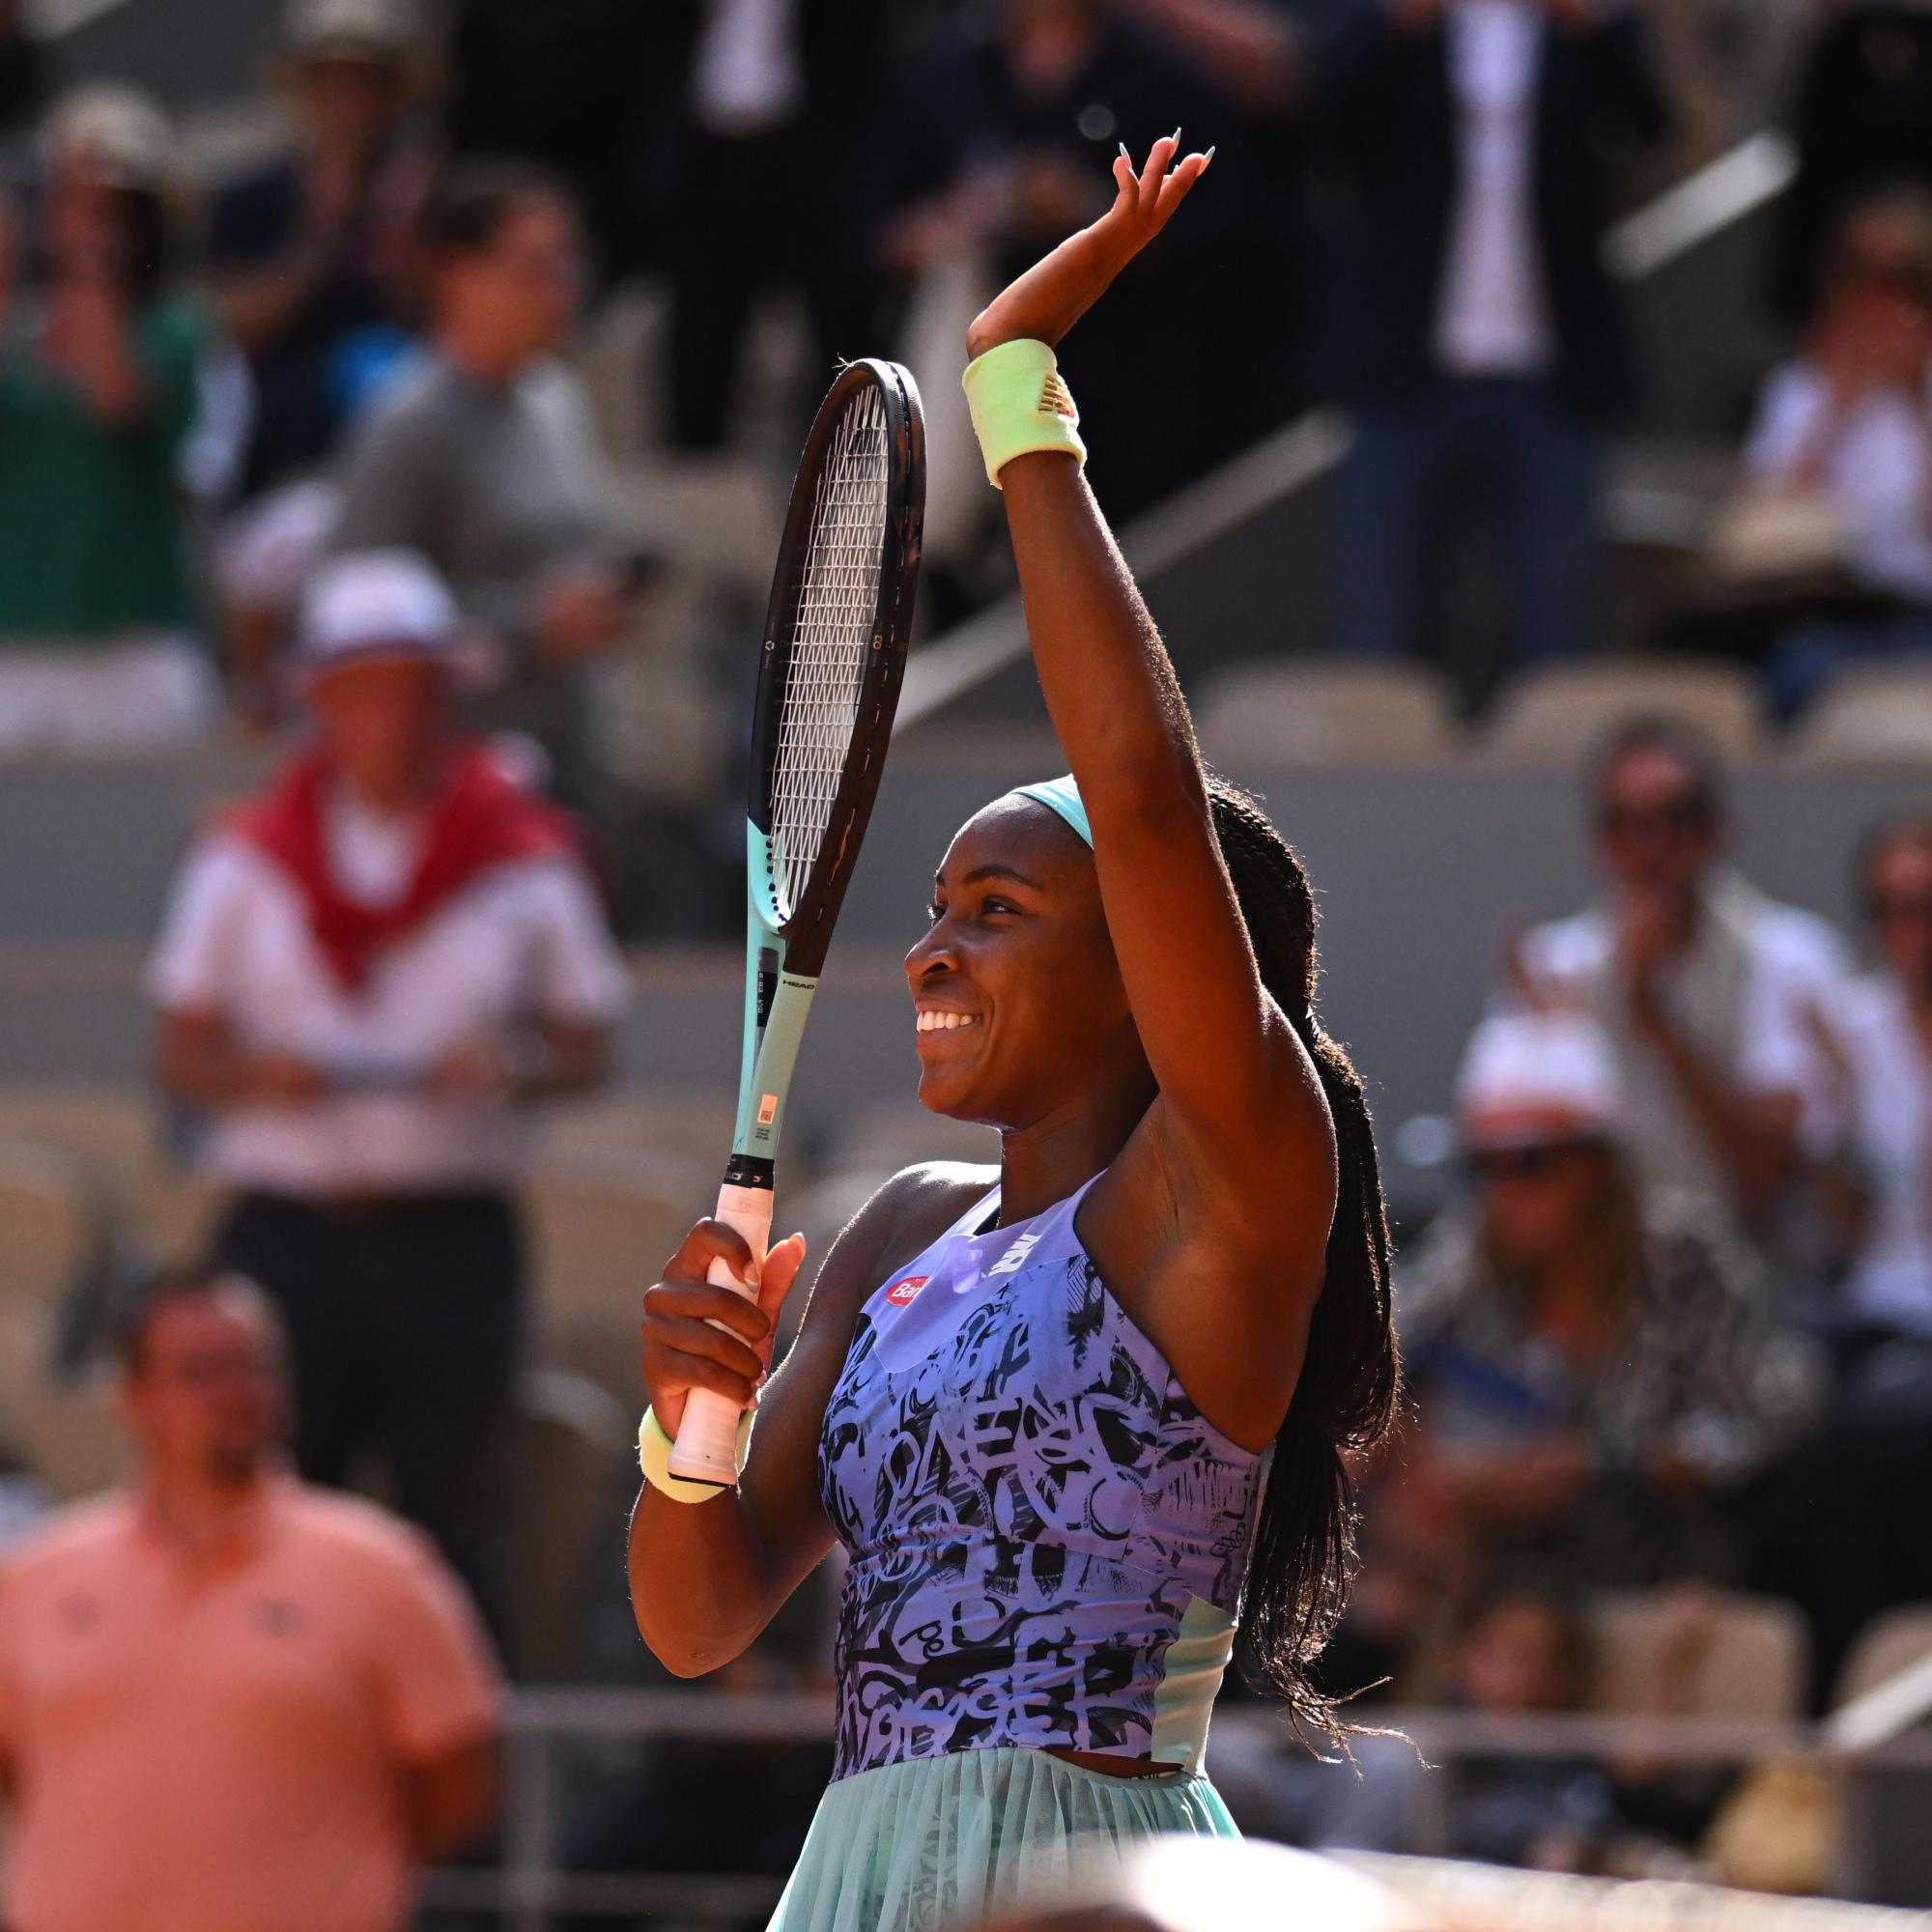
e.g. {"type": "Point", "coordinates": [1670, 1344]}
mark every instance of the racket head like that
{"type": "Point", "coordinates": [835, 652]}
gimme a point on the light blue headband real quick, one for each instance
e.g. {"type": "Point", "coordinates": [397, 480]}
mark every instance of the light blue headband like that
{"type": "Point", "coordinates": [1060, 796]}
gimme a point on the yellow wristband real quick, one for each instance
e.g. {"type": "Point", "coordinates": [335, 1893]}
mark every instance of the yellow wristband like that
{"type": "Point", "coordinates": [1019, 404]}
{"type": "Point", "coordinates": [654, 1448]}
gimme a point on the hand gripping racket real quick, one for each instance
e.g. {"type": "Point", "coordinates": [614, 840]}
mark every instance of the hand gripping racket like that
{"type": "Point", "coordinates": [834, 651]}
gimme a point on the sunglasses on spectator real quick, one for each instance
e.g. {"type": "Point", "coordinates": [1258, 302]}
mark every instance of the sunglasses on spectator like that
{"type": "Point", "coordinates": [1899, 908]}
{"type": "Point", "coordinates": [1683, 815]}
{"type": "Point", "coordinates": [1909, 279]}
{"type": "Point", "coordinates": [1525, 1163]}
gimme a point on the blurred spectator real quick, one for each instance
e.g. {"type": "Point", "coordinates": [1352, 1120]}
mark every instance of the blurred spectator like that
{"type": "Point", "coordinates": [278, 1698]}
{"type": "Point", "coordinates": [1523, 1649]}
{"type": "Point", "coordinates": [1519, 1646]}
{"type": "Point", "coordinates": [569, 83]}
{"type": "Point", "coordinates": [487, 461]}
{"type": "Point", "coordinates": [1844, 444]}
{"type": "Point", "coordinates": [20, 70]}
{"type": "Point", "coordinates": [681, 1810]}
{"type": "Point", "coordinates": [1886, 1030]}
{"type": "Point", "coordinates": [1477, 334]}
{"type": "Point", "coordinates": [1861, 117]}
{"type": "Point", "coordinates": [307, 256]}
{"type": "Point", "coordinates": [767, 102]}
{"type": "Point", "coordinates": [366, 976]}
{"type": "Point", "coordinates": [1003, 138]}
{"type": "Point", "coordinates": [1825, 1521]}
{"type": "Point", "coordinates": [98, 369]}
{"type": "Point", "coordinates": [1594, 1366]}
{"type": "Point", "coordinates": [1717, 999]}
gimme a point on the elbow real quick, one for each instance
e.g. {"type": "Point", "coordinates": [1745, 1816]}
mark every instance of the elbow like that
{"type": "Point", "coordinates": [691, 1652]}
{"type": "Point", "coordinates": [686, 1660]}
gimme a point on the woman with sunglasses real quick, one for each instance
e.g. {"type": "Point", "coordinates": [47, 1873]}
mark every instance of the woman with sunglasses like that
{"type": "Point", "coordinates": [1592, 1361]}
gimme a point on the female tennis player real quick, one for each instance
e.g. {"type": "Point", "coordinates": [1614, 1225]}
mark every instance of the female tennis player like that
{"type": "Point", "coordinates": [1077, 1420]}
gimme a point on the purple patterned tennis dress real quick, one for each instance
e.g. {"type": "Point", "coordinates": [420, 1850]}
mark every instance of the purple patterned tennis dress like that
{"type": "Point", "coordinates": [1048, 1540]}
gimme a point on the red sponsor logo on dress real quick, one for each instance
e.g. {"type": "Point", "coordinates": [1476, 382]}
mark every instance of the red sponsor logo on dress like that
{"type": "Point", "coordinates": [902, 1293]}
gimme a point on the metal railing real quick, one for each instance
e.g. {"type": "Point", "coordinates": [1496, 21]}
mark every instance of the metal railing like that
{"type": "Point", "coordinates": [529, 1890]}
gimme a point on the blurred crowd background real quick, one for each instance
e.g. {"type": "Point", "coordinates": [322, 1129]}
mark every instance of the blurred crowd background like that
{"type": "Point", "coordinates": [1527, 440]}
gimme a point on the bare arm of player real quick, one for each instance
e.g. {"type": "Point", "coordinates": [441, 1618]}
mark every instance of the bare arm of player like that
{"type": "Point", "coordinates": [1241, 1104]}
{"type": "Point", "coordinates": [706, 1578]}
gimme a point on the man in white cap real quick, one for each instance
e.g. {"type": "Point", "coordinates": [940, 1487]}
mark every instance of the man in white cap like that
{"type": "Point", "coordinates": [365, 976]}
{"type": "Point", "coordinates": [308, 255]}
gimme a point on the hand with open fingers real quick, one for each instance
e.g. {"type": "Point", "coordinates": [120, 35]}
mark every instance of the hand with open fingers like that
{"type": "Point", "coordinates": [699, 1335]}
{"type": "Point", "coordinates": [1058, 290]}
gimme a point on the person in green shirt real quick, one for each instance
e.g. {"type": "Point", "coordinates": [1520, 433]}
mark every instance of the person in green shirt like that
{"type": "Point", "coordinates": [98, 393]}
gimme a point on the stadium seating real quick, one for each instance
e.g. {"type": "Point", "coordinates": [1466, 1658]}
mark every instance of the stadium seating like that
{"type": "Point", "coordinates": [1556, 715]}
{"type": "Point", "coordinates": [53, 1238]}
{"type": "Point", "coordinates": [1750, 1663]}
{"type": "Point", "coordinates": [71, 1434]}
{"type": "Point", "coordinates": [1877, 714]}
{"type": "Point", "coordinates": [572, 1440]}
{"type": "Point", "coordinates": [111, 1132]}
{"type": "Point", "coordinates": [1891, 1643]}
{"type": "Point", "coordinates": [597, 1244]}
{"type": "Point", "coordinates": [1322, 712]}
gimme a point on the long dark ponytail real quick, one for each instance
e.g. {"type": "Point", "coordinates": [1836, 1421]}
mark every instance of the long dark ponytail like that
{"type": "Point", "coordinates": [1350, 1378]}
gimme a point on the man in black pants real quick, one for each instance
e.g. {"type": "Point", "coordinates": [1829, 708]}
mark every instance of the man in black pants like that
{"type": "Point", "coordinates": [366, 974]}
{"type": "Point", "coordinates": [752, 165]}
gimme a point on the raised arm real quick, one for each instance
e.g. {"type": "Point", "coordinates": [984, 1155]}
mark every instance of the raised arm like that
{"type": "Point", "coordinates": [1239, 1093]}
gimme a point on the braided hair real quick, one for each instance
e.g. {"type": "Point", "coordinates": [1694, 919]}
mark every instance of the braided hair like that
{"type": "Point", "coordinates": [1346, 1397]}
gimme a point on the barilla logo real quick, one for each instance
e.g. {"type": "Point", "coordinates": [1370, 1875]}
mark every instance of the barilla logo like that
{"type": "Point", "coordinates": [901, 1293]}
{"type": "Point", "coordinates": [1055, 401]}
{"type": "Point", "coordinates": [1014, 1258]}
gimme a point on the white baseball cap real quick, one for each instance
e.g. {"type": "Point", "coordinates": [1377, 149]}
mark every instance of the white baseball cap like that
{"type": "Point", "coordinates": [388, 31]}
{"type": "Point", "coordinates": [376, 603]}
{"type": "Point", "coordinates": [1538, 1080]}
{"type": "Point", "coordinates": [117, 132]}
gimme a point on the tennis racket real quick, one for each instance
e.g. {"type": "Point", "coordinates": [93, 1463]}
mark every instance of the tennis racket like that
{"type": "Point", "coordinates": [834, 651]}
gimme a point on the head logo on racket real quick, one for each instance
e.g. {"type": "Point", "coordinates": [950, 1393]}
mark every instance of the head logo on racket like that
{"type": "Point", "coordinates": [903, 1293]}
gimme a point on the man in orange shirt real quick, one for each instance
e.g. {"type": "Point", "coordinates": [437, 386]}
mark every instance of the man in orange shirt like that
{"type": "Point", "coordinates": [230, 1702]}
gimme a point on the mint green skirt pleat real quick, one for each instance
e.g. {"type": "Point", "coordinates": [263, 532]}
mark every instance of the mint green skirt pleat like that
{"type": "Point", "coordinates": [938, 1844]}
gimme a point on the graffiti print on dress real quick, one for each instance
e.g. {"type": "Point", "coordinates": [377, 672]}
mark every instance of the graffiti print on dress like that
{"type": "Point", "coordinates": [1029, 1509]}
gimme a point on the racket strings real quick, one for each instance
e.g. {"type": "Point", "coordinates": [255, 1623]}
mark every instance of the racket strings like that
{"type": "Point", "coordinates": [837, 613]}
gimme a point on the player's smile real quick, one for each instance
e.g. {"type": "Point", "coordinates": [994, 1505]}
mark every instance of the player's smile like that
{"type": "Point", "coordinates": [934, 1022]}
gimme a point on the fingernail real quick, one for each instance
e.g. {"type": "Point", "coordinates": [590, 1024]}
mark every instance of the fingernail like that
{"type": "Point", "coordinates": [1208, 156]}
{"type": "Point", "coordinates": [1125, 155]}
{"type": "Point", "coordinates": [1175, 137]}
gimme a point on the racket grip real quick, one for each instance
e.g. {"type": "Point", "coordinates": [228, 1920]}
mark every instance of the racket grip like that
{"type": "Point", "coordinates": [706, 1449]}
